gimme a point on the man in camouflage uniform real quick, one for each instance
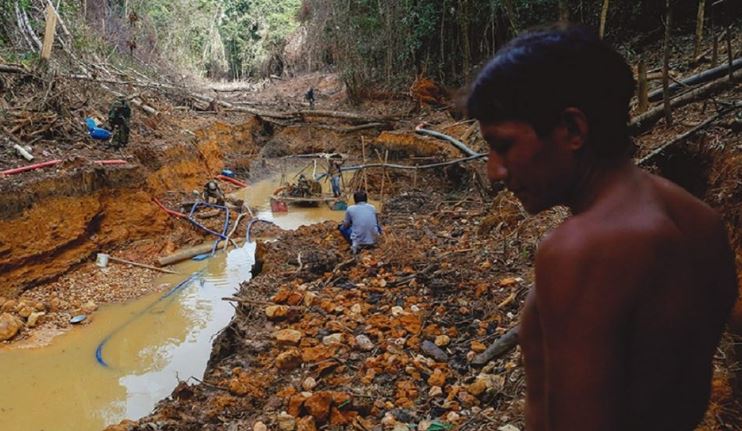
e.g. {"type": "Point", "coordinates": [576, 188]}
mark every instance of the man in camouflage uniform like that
{"type": "Point", "coordinates": [118, 121]}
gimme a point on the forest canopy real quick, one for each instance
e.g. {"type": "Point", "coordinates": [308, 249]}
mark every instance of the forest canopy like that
{"type": "Point", "coordinates": [371, 43]}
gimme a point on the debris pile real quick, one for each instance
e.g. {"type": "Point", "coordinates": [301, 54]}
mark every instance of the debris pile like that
{"type": "Point", "coordinates": [383, 339]}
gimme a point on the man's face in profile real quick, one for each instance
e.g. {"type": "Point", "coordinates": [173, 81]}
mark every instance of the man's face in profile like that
{"type": "Point", "coordinates": [538, 170]}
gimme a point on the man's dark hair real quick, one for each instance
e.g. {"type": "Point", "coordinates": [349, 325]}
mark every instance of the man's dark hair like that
{"type": "Point", "coordinates": [360, 196]}
{"type": "Point", "coordinates": [540, 73]}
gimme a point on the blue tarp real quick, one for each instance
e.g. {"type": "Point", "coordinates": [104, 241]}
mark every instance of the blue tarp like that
{"type": "Point", "coordinates": [95, 131]}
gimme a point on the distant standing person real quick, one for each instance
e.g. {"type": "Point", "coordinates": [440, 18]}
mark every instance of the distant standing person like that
{"type": "Point", "coordinates": [361, 226]}
{"type": "Point", "coordinates": [118, 120]}
{"type": "Point", "coordinates": [334, 168]}
{"type": "Point", "coordinates": [309, 97]}
{"type": "Point", "coordinates": [633, 290]}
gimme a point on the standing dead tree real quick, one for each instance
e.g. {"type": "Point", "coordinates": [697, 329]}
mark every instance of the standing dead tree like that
{"type": "Point", "coordinates": [666, 65]}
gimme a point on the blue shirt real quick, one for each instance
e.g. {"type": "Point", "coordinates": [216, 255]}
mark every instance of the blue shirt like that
{"type": "Point", "coordinates": [363, 224]}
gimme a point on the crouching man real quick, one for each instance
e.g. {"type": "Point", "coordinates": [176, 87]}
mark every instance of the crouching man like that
{"type": "Point", "coordinates": [361, 226]}
{"type": "Point", "coordinates": [633, 290]}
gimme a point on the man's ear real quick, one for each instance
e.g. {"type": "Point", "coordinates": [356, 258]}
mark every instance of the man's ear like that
{"type": "Point", "coordinates": [576, 127]}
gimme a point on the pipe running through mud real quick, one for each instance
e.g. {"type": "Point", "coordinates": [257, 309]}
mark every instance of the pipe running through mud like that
{"type": "Point", "coordinates": [129, 356]}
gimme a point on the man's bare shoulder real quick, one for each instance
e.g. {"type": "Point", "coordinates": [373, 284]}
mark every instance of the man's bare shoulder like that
{"type": "Point", "coordinates": [606, 264]}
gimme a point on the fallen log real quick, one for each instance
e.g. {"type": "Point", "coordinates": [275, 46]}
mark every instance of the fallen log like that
{"type": "Point", "coordinates": [501, 346]}
{"type": "Point", "coordinates": [9, 68]}
{"type": "Point", "coordinates": [188, 253]}
{"type": "Point", "coordinates": [684, 136]}
{"type": "Point", "coordinates": [407, 167]}
{"type": "Point", "coordinates": [700, 78]}
{"type": "Point", "coordinates": [643, 122]}
{"type": "Point", "coordinates": [140, 265]}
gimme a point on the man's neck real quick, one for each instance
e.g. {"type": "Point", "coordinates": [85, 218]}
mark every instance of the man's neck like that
{"type": "Point", "coordinates": [595, 180]}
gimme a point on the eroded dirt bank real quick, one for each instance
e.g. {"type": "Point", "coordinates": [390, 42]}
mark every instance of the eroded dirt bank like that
{"type": "Point", "coordinates": [59, 219]}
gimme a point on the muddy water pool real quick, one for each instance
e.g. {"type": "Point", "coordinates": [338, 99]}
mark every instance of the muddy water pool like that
{"type": "Point", "coordinates": [129, 356]}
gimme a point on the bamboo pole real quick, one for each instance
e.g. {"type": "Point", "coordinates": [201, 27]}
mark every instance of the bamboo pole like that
{"type": "Point", "coordinates": [642, 88]}
{"type": "Point", "coordinates": [383, 175]}
{"type": "Point", "coordinates": [140, 265]}
{"type": "Point", "coordinates": [666, 66]}
{"type": "Point", "coordinates": [365, 177]}
{"type": "Point", "coordinates": [699, 29]}
{"type": "Point", "coordinates": [603, 18]}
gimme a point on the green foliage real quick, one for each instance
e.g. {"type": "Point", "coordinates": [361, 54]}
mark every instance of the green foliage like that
{"type": "Point", "coordinates": [221, 37]}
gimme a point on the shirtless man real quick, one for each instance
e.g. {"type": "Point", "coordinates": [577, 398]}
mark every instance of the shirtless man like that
{"type": "Point", "coordinates": [634, 289]}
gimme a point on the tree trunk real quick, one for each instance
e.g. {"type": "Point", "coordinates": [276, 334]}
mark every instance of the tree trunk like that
{"type": "Point", "coordinates": [564, 10]}
{"type": "Point", "coordinates": [510, 10]}
{"type": "Point", "coordinates": [699, 29]}
{"type": "Point", "coordinates": [642, 87]}
{"type": "Point", "coordinates": [666, 66]}
{"type": "Point", "coordinates": [603, 18]}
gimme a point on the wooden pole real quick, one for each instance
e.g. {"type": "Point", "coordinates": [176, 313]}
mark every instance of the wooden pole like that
{"type": "Point", "coordinates": [365, 177]}
{"type": "Point", "coordinates": [51, 28]}
{"type": "Point", "coordinates": [383, 175]}
{"type": "Point", "coordinates": [140, 265]}
{"type": "Point", "coordinates": [642, 89]}
{"type": "Point", "coordinates": [603, 18]}
{"type": "Point", "coordinates": [714, 39]}
{"type": "Point", "coordinates": [699, 29]}
{"type": "Point", "coordinates": [666, 66]}
{"type": "Point", "coordinates": [729, 53]}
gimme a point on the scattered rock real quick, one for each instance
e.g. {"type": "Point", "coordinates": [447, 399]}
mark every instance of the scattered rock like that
{"type": "Point", "coordinates": [442, 340]}
{"type": "Point", "coordinates": [388, 421]}
{"type": "Point", "coordinates": [477, 388]}
{"type": "Point", "coordinates": [356, 309]}
{"type": "Point", "coordinates": [438, 378]}
{"type": "Point", "coordinates": [34, 318]}
{"type": "Point", "coordinates": [286, 422]}
{"type": "Point", "coordinates": [400, 427]}
{"type": "Point", "coordinates": [288, 336]}
{"type": "Point", "coordinates": [275, 312]}
{"type": "Point", "coordinates": [430, 349]}
{"type": "Point", "coordinates": [508, 427]}
{"type": "Point", "coordinates": [9, 306]}
{"type": "Point", "coordinates": [397, 311]}
{"type": "Point", "coordinates": [309, 383]}
{"type": "Point", "coordinates": [453, 417]}
{"type": "Point", "coordinates": [306, 424]}
{"type": "Point", "coordinates": [9, 326]}
{"type": "Point", "coordinates": [309, 298]}
{"type": "Point", "coordinates": [331, 339]}
{"type": "Point", "coordinates": [89, 307]}
{"type": "Point", "coordinates": [288, 360]}
{"type": "Point", "coordinates": [435, 391]}
{"type": "Point", "coordinates": [259, 426]}
{"type": "Point", "coordinates": [364, 343]}
{"type": "Point", "coordinates": [318, 405]}
{"type": "Point", "coordinates": [478, 347]}
{"type": "Point", "coordinates": [25, 311]}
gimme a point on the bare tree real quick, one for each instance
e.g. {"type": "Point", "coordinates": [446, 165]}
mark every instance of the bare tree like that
{"type": "Point", "coordinates": [603, 18]}
{"type": "Point", "coordinates": [666, 65]}
{"type": "Point", "coordinates": [699, 29]}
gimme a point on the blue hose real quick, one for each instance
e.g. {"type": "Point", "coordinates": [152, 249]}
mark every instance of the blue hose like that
{"type": "Point", "coordinates": [222, 235]}
{"type": "Point", "coordinates": [176, 288]}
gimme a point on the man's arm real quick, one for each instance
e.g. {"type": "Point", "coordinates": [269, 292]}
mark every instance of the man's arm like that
{"type": "Point", "coordinates": [584, 286]}
{"type": "Point", "coordinates": [348, 220]}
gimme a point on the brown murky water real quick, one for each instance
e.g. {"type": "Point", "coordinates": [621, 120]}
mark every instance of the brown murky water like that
{"type": "Point", "coordinates": [147, 345]}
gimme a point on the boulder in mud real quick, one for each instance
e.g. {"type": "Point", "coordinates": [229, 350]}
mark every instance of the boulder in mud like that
{"type": "Point", "coordinates": [9, 326]}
